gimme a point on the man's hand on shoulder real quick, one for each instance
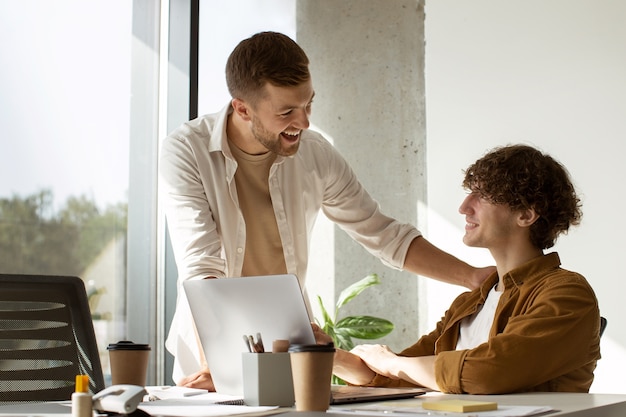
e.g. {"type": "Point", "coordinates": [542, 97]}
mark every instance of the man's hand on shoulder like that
{"type": "Point", "coordinates": [201, 379]}
{"type": "Point", "coordinates": [479, 276]}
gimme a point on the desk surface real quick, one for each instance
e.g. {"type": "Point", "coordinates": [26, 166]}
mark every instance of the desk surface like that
{"type": "Point", "coordinates": [563, 404]}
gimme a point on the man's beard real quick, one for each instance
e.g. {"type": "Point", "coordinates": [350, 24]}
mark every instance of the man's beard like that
{"type": "Point", "coordinates": [273, 143]}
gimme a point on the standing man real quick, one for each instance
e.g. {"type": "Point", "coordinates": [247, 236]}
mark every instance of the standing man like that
{"type": "Point", "coordinates": [531, 326]}
{"type": "Point", "coordinates": [242, 189]}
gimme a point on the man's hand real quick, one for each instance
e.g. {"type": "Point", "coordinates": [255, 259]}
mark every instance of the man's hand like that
{"type": "Point", "coordinates": [321, 338]}
{"type": "Point", "coordinates": [201, 379]}
{"type": "Point", "coordinates": [479, 276]}
{"type": "Point", "coordinates": [377, 357]}
{"type": "Point", "coordinates": [419, 370]}
{"type": "Point", "coordinates": [346, 365]}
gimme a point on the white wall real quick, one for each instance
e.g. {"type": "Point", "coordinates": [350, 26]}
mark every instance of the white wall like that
{"type": "Point", "coordinates": [551, 74]}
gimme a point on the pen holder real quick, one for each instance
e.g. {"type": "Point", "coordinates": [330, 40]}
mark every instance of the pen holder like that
{"type": "Point", "coordinates": [267, 379]}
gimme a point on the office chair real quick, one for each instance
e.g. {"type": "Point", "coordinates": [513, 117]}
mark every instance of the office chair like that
{"type": "Point", "coordinates": [46, 338]}
{"type": "Point", "coordinates": [603, 323]}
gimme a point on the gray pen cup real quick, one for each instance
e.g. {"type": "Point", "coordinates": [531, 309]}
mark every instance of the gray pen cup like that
{"type": "Point", "coordinates": [312, 370]}
{"type": "Point", "coordinates": [129, 362]}
{"type": "Point", "coordinates": [267, 379]}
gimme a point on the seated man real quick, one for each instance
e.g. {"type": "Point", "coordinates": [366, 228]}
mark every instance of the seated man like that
{"type": "Point", "coordinates": [532, 326]}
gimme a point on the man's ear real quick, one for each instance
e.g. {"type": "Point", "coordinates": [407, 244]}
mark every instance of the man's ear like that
{"type": "Point", "coordinates": [527, 217]}
{"type": "Point", "coordinates": [241, 108]}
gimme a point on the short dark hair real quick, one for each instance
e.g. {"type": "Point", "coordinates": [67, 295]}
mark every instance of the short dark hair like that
{"type": "Point", "coordinates": [266, 57]}
{"type": "Point", "coordinates": [523, 177]}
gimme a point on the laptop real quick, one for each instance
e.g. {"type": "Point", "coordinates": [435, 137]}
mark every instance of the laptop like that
{"type": "Point", "coordinates": [226, 309]}
{"type": "Point", "coordinates": [347, 394]}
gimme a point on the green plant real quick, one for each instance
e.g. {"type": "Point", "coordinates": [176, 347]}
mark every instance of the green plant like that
{"type": "Point", "coordinates": [361, 327]}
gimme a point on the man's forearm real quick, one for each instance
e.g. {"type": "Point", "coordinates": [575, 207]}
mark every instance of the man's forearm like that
{"type": "Point", "coordinates": [424, 258]}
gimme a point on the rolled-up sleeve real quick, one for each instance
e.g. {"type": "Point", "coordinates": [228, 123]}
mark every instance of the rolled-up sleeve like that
{"type": "Point", "coordinates": [448, 370]}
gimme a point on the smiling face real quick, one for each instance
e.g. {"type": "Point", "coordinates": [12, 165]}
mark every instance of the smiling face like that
{"type": "Point", "coordinates": [524, 179]}
{"type": "Point", "coordinates": [278, 118]}
{"type": "Point", "coordinates": [487, 225]}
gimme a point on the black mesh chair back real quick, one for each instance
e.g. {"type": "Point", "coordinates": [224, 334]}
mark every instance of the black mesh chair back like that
{"type": "Point", "coordinates": [46, 338]}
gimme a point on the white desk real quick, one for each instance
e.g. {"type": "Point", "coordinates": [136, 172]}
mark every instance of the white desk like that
{"type": "Point", "coordinates": [567, 404]}
{"type": "Point", "coordinates": [563, 404]}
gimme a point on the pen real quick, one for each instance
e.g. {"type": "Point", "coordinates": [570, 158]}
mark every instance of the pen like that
{"type": "Point", "coordinates": [259, 344]}
{"type": "Point", "coordinates": [251, 344]}
{"type": "Point", "coordinates": [247, 342]}
{"type": "Point", "coordinates": [254, 347]}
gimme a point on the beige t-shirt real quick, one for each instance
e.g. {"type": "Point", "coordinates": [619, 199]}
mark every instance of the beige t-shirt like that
{"type": "Point", "coordinates": [264, 249]}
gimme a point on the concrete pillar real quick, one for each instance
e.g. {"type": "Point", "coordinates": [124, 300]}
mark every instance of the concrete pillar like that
{"type": "Point", "coordinates": [367, 63]}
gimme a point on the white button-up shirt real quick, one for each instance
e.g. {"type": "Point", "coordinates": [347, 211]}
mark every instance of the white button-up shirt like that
{"type": "Point", "coordinates": [207, 229]}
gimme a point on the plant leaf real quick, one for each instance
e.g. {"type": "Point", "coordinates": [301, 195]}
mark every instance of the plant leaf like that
{"type": "Point", "coordinates": [338, 381]}
{"type": "Point", "coordinates": [355, 289]}
{"type": "Point", "coordinates": [364, 327]}
{"type": "Point", "coordinates": [325, 316]}
{"type": "Point", "coordinates": [343, 340]}
{"type": "Point", "coordinates": [330, 331]}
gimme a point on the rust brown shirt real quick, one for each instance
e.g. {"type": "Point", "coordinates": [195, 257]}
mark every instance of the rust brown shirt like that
{"type": "Point", "coordinates": [545, 336]}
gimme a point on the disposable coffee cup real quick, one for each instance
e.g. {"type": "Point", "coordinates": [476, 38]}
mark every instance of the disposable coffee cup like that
{"type": "Point", "coordinates": [129, 362]}
{"type": "Point", "coordinates": [312, 370]}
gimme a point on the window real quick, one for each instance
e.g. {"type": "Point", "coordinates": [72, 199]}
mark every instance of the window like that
{"type": "Point", "coordinates": [64, 168]}
{"type": "Point", "coordinates": [82, 111]}
{"type": "Point", "coordinates": [218, 37]}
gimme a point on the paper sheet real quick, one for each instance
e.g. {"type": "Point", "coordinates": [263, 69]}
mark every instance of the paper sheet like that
{"type": "Point", "coordinates": [165, 392]}
{"type": "Point", "coordinates": [197, 405]}
{"type": "Point", "coordinates": [186, 408]}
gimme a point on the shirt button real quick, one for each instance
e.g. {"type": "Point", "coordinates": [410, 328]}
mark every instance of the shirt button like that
{"type": "Point", "coordinates": [239, 250]}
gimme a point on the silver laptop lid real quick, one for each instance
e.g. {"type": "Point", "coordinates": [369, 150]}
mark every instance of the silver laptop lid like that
{"type": "Point", "coordinates": [226, 309]}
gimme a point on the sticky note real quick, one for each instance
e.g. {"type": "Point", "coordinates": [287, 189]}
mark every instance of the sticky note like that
{"type": "Point", "coordinates": [459, 406]}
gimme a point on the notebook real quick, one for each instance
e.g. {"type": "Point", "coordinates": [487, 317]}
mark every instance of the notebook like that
{"type": "Point", "coordinates": [226, 309]}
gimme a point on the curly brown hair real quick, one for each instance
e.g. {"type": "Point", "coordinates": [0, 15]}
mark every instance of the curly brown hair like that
{"type": "Point", "coordinates": [523, 177]}
{"type": "Point", "coordinates": [266, 57]}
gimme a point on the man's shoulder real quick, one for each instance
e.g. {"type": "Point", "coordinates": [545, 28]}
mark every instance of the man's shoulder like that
{"type": "Point", "coordinates": [312, 138]}
{"type": "Point", "coordinates": [198, 129]}
{"type": "Point", "coordinates": [315, 146]}
{"type": "Point", "coordinates": [558, 280]}
{"type": "Point", "coordinates": [565, 276]}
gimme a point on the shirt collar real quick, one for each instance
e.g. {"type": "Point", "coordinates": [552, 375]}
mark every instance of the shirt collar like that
{"type": "Point", "coordinates": [533, 270]}
{"type": "Point", "coordinates": [222, 145]}
{"type": "Point", "coordinates": [529, 272]}
{"type": "Point", "coordinates": [220, 129]}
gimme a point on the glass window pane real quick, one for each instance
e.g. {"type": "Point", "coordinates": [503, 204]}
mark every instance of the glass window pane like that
{"type": "Point", "coordinates": [64, 109]}
{"type": "Point", "coordinates": [219, 34]}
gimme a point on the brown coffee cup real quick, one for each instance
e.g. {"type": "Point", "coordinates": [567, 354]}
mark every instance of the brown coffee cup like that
{"type": "Point", "coordinates": [312, 370]}
{"type": "Point", "coordinates": [129, 362]}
